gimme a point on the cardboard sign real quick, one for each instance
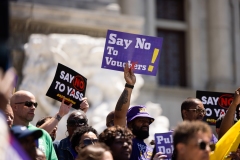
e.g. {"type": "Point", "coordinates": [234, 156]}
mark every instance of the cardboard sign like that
{"type": "Point", "coordinates": [215, 104]}
{"type": "Point", "coordinates": [141, 52]}
{"type": "Point", "coordinates": [68, 83]}
{"type": "Point", "coordinates": [164, 143]}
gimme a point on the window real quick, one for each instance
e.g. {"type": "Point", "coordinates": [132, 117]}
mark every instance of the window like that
{"type": "Point", "coordinates": [172, 66]}
{"type": "Point", "coordinates": [170, 9]}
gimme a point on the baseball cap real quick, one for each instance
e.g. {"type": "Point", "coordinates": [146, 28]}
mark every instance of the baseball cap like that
{"type": "Point", "coordinates": [138, 111]}
{"type": "Point", "coordinates": [21, 132]}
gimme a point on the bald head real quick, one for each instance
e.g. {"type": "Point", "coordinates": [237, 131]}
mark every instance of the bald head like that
{"type": "Point", "coordinates": [19, 96]}
{"type": "Point", "coordinates": [23, 104]}
{"type": "Point", "coordinates": [110, 119]}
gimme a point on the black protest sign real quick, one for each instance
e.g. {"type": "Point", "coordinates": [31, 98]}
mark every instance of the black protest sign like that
{"type": "Point", "coordinates": [215, 103]}
{"type": "Point", "coordinates": [69, 84]}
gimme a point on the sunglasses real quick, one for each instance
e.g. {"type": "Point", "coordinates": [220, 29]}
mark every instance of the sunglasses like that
{"type": "Point", "coordinates": [203, 145]}
{"type": "Point", "coordinates": [87, 142]}
{"type": "Point", "coordinates": [28, 103]}
{"type": "Point", "coordinates": [75, 122]}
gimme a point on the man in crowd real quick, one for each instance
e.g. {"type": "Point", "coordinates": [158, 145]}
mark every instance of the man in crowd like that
{"type": "Point", "coordinates": [24, 104]}
{"type": "Point", "coordinates": [138, 119]}
{"type": "Point", "coordinates": [192, 109]}
{"type": "Point", "coordinates": [26, 139]}
{"type": "Point", "coordinates": [44, 120]}
{"type": "Point", "coordinates": [9, 115]}
{"type": "Point", "coordinates": [191, 140]}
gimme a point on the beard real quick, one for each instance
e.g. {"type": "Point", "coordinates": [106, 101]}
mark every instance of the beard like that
{"type": "Point", "coordinates": [140, 133]}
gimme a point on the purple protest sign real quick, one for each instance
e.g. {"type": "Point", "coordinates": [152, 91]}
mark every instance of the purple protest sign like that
{"type": "Point", "coordinates": [141, 52]}
{"type": "Point", "coordinates": [164, 143]}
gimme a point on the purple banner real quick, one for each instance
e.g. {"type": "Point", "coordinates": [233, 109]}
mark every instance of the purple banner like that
{"type": "Point", "coordinates": [141, 52]}
{"type": "Point", "coordinates": [164, 143]}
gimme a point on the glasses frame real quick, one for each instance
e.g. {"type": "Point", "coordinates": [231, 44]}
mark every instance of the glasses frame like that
{"type": "Point", "coordinates": [28, 103]}
{"type": "Point", "coordinates": [198, 111]}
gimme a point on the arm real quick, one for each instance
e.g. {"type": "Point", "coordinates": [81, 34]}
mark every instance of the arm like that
{"type": "Point", "coordinates": [53, 122]}
{"type": "Point", "coordinates": [124, 100]}
{"type": "Point", "coordinates": [228, 120]}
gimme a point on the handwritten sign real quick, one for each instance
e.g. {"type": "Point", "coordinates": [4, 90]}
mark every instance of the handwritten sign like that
{"type": "Point", "coordinates": [69, 84]}
{"type": "Point", "coordinates": [164, 143]}
{"type": "Point", "coordinates": [142, 53]}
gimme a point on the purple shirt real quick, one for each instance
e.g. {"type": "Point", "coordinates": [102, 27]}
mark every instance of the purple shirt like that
{"type": "Point", "coordinates": [140, 151]}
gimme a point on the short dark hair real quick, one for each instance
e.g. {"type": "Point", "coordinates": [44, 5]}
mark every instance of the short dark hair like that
{"type": "Point", "coordinates": [186, 130]}
{"type": "Point", "coordinates": [77, 134]}
{"type": "Point", "coordinates": [187, 103]}
{"type": "Point", "coordinates": [109, 134]}
{"type": "Point", "coordinates": [42, 121]}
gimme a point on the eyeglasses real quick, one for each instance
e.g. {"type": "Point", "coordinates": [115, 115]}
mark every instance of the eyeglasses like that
{"type": "Point", "coordinates": [75, 122]}
{"type": "Point", "coordinates": [88, 141]}
{"type": "Point", "coordinates": [198, 111]}
{"type": "Point", "coordinates": [203, 145]}
{"type": "Point", "coordinates": [28, 103]}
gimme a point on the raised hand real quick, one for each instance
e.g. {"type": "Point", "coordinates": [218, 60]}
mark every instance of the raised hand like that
{"type": "Point", "coordinates": [84, 105]}
{"type": "Point", "coordinates": [236, 99]}
{"type": "Point", "coordinates": [129, 76]}
{"type": "Point", "coordinates": [64, 108]}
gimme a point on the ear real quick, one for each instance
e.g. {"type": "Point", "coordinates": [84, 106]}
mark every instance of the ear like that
{"type": "Point", "coordinates": [181, 148]}
{"type": "Point", "coordinates": [14, 108]}
{"type": "Point", "coordinates": [77, 149]}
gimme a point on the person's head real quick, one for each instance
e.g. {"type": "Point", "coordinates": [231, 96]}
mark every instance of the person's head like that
{"type": "Point", "coordinates": [42, 121]}
{"type": "Point", "coordinates": [191, 141]}
{"type": "Point", "coordinates": [26, 138]}
{"type": "Point", "coordinates": [119, 140]}
{"type": "Point", "coordinates": [110, 119]}
{"type": "Point", "coordinates": [9, 115]}
{"type": "Point", "coordinates": [98, 151]}
{"type": "Point", "coordinates": [82, 137]}
{"type": "Point", "coordinates": [23, 104]}
{"type": "Point", "coordinates": [76, 119]}
{"type": "Point", "coordinates": [192, 109]}
{"type": "Point", "coordinates": [138, 121]}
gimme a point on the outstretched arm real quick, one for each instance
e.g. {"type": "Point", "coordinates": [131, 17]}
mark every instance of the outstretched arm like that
{"type": "Point", "coordinates": [228, 120]}
{"type": "Point", "coordinates": [124, 100]}
{"type": "Point", "coordinates": [53, 122]}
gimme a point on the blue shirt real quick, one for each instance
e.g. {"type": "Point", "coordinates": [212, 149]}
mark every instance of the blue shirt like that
{"type": "Point", "coordinates": [140, 151]}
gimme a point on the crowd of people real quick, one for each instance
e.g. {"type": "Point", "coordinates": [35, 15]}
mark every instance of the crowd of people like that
{"type": "Point", "coordinates": [123, 139]}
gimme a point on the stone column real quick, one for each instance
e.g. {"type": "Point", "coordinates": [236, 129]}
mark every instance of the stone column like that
{"type": "Point", "coordinates": [235, 4]}
{"type": "Point", "coordinates": [197, 58]}
{"type": "Point", "coordinates": [132, 7]}
{"type": "Point", "coordinates": [219, 49]}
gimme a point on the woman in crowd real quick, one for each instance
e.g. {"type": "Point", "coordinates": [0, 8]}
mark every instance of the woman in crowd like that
{"type": "Point", "coordinates": [82, 137]}
{"type": "Point", "coordinates": [119, 140]}
{"type": "Point", "coordinates": [63, 148]}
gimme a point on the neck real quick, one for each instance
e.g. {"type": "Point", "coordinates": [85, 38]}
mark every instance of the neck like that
{"type": "Point", "coordinates": [18, 121]}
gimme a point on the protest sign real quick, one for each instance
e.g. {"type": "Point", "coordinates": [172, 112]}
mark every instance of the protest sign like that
{"type": "Point", "coordinates": [164, 143]}
{"type": "Point", "coordinates": [215, 104]}
{"type": "Point", "coordinates": [141, 52]}
{"type": "Point", "coordinates": [69, 84]}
